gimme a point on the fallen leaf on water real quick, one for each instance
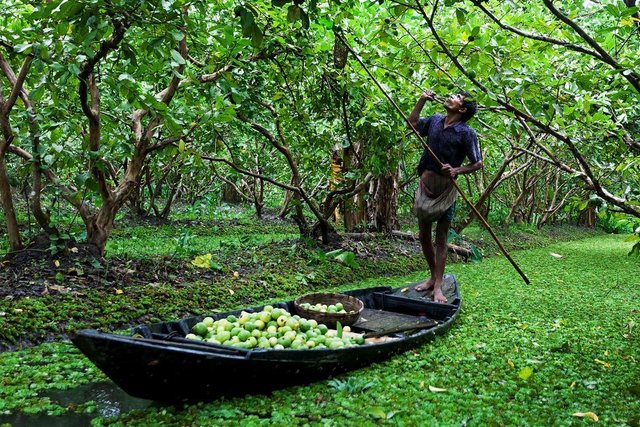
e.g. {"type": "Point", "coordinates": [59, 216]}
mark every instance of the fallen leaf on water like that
{"type": "Point", "coordinates": [377, 412]}
{"type": "Point", "coordinates": [603, 363]}
{"type": "Point", "coordinates": [591, 415]}
{"type": "Point", "coordinates": [555, 255]}
{"type": "Point", "coordinates": [525, 373]}
{"type": "Point", "coordinates": [436, 389]}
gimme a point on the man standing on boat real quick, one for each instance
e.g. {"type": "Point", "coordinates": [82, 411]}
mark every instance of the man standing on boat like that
{"type": "Point", "coordinates": [451, 140]}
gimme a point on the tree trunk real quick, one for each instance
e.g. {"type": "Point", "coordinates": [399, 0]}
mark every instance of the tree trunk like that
{"type": "Point", "coordinates": [173, 195]}
{"type": "Point", "coordinates": [349, 211]}
{"type": "Point", "coordinates": [383, 203]}
{"type": "Point", "coordinates": [587, 217]}
{"type": "Point", "coordinates": [288, 194]}
{"type": "Point", "coordinates": [230, 194]}
{"type": "Point", "coordinates": [100, 225]}
{"type": "Point", "coordinates": [13, 230]}
{"type": "Point", "coordinates": [258, 196]}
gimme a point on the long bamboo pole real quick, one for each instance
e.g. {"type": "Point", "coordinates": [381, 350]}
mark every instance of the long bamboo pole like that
{"type": "Point", "coordinates": [436, 159]}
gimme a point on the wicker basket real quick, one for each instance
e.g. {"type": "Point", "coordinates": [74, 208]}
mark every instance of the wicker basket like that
{"type": "Point", "coordinates": [352, 306]}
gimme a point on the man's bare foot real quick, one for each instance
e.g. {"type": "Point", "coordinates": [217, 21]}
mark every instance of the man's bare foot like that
{"type": "Point", "coordinates": [438, 296]}
{"type": "Point", "coordinates": [427, 285]}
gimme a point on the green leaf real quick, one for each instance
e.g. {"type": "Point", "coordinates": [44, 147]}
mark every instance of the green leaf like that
{"type": "Point", "coordinates": [525, 373]}
{"type": "Point", "coordinates": [613, 10]}
{"type": "Point", "coordinates": [167, 4]}
{"type": "Point", "coordinates": [247, 21]}
{"type": "Point", "coordinates": [476, 255]}
{"type": "Point", "coordinates": [202, 261]}
{"type": "Point", "coordinates": [177, 35]}
{"type": "Point", "coordinates": [175, 55]}
{"type": "Point", "coordinates": [126, 76]}
{"type": "Point", "coordinates": [399, 10]}
{"type": "Point", "coordinates": [95, 263]}
{"type": "Point", "coordinates": [348, 259]}
{"type": "Point", "coordinates": [22, 47]}
{"type": "Point", "coordinates": [74, 69]}
{"type": "Point", "coordinates": [256, 37]}
{"type": "Point", "coordinates": [377, 412]}
{"type": "Point", "coordinates": [81, 178]}
{"type": "Point", "coordinates": [293, 13]}
{"type": "Point", "coordinates": [280, 3]}
{"type": "Point", "coordinates": [461, 16]}
{"type": "Point", "coordinates": [334, 253]}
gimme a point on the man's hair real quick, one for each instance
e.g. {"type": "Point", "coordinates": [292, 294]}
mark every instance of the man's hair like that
{"type": "Point", "coordinates": [470, 104]}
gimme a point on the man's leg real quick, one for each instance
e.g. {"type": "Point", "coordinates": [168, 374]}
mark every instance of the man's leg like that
{"type": "Point", "coordinates": [442, 229]}
{"type": "Point", "coordinates": [429, 255]}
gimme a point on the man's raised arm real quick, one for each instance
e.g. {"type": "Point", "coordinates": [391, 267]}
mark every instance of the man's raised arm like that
{"type": "Point", "coordinates": [415, 114]}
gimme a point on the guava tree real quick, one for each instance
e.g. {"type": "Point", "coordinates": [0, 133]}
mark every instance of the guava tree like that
{"type": "Point", "coordinates": [99, 86]}
{"type": "Point", "coordinates": [553, 90]}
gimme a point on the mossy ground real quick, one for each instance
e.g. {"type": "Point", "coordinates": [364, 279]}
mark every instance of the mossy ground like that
{"type": "Point", "coordinates": [518, 355]}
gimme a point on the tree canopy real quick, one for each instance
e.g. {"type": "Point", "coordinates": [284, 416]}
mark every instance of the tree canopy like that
{"type": "Point", "coordinates": [105, 104]}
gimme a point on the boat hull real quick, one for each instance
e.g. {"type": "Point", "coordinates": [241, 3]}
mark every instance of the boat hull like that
{"type": "Point", "coordinates": [164, 367]}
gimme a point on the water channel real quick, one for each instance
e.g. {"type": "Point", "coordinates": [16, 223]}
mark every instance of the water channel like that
{"type": "Point", "coordinates": [110, 401]}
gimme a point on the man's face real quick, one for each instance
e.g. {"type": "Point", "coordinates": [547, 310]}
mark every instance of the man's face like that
{"type": "Point", "coordinates": [455, 103]}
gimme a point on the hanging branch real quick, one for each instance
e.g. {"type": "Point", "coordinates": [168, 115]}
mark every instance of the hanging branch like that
{"type": "Point", "coordinates": [630, 75]}
{"type": "Point", "coordinates": [7, 105]}
{"type": "Point", "coordinates": [252, 174]}
{"type": "Point", "coordinates": [531, 119]}
{"type": "Point", "coordinates": [532, 36]}
{"type": "Point", "coordinates": [330, 204]}
{"type": "Point", "coordinates": [283, 148]}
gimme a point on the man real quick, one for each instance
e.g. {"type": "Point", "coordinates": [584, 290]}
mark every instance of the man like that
{"type": "Point", "coordinates": [451, 139]}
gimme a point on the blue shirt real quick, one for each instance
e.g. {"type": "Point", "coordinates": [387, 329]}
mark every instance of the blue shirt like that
{"type": "Point", "coordinates": [451, 145]}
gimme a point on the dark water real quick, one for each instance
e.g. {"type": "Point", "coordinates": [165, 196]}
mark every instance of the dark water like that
{"type": "Point", "coordinates": [110, 401]}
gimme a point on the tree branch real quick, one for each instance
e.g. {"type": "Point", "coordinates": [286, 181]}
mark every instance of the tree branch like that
{"type": "Point", "coordinates": [529, 118]}
{"type": "Point", "coordinates": [70, 193]}
{"type": "Point", "coordinates": [16, 82]}
{"type": "Point", "coordinates": [550, 40]}
{"type": "Point", "coordinates": [255, 175]}
{"type": "Point", "coordinates": [630, 75]}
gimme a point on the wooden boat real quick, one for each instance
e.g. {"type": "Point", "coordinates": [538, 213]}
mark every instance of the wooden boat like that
{"type": "Point", "coordinates": [156, 361]}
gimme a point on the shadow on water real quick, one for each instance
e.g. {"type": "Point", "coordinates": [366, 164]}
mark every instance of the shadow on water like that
{"type": "Point", "coordinates": [110, 402]}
